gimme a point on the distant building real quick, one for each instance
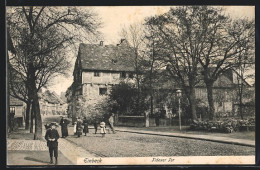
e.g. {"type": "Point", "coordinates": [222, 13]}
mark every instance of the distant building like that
{"type": "Point", "coordinates": [51, 104]}
{"type": "Point", "coordinates": [224, 95]}
{"type": "Point", "coordinates": [63, 97]}
{"type": "Point", "coordinates": [16, 107]}
{"type": "Point", "coordinates": [97, 68]}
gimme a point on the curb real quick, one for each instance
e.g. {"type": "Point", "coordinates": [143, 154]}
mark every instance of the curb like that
{"type": "Point", "coordinates": [190, 137]}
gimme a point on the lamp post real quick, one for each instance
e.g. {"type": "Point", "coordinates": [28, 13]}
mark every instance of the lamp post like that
{"type": "Point", "coordinates": [179, 97]}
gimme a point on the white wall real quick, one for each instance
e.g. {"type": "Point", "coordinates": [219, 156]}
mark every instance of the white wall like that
{"type": "Point", "coordinates": [104, 78]}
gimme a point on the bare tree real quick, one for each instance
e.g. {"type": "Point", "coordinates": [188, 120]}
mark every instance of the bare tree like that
{"type": "Point", "coordinates": [222, 42]}
{"type": "Point", "coordinates": [200, 40]}
{"type": "Point", "coordinates": [18, 89]}
{"type": "Point", "coordinates": [42, 35]}
{"type": "Point", "coordinates": [10, 48]}
{"type": "Point", "coordinates": [151, 66]}
{"type": "Point", "coordinates": [245, 60]}
{"type": "Point", "coordinates": [181, 43]}
{"type": "Point", "coordinates": [134, 34]}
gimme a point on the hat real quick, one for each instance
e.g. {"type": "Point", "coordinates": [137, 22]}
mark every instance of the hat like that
{"type": "Point", "coordinates": [53, 123]}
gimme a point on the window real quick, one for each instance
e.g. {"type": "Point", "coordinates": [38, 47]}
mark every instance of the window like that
{"type": "Point", "coordinates": [12, 110]}
{"type": "Point", "coordinates": [102, 91]}
{"type": "Point", "coordinates": [131, 75]}
{"type": "Point", "coordinates": [96, 74]}
{"type": "Point", "coordinates": [122, 74]}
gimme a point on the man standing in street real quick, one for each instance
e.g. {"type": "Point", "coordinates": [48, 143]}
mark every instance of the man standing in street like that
{"type": "Point", "coordinates": [52, 137]}
{"type": "Point", "coordinates": [111, 122]}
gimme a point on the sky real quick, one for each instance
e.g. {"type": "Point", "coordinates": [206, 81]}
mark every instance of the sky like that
{"type": "Point", "coordinates": [115, 18]}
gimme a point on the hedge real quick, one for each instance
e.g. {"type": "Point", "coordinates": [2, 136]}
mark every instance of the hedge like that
{"type": "Point", "coordinates": [227, 125]}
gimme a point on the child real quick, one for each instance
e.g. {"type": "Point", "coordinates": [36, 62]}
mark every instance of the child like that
{"type": "Point", "coordinates": [103, 128]}
{"type": "Point", "coordinates": [52, 137]}
{"type": "Point", "coordinates": [75, 128]}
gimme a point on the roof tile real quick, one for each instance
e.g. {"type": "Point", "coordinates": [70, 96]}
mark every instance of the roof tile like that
{"type": "Point", "coordinates": [107, 57]}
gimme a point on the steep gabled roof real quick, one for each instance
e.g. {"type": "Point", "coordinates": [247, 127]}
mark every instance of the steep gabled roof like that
{"type": "Point", "coordinates": [15, 102]}
{"type": "Point", "coordinates": [50, 97]}
{"type": "Point", "coordinates": [106, 57]}
{"type": "Point", "coordinates": [58, 98]}
{"type": "Point", "coordinates": [165, 81]}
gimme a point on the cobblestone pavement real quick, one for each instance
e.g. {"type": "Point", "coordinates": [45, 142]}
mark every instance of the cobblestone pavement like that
{"type": "Point", "coordinates": [70, 150]}
{"type": "Point", "coordinates": [32, 145]}
{"type": "Point", "coordinates": [124, 144]}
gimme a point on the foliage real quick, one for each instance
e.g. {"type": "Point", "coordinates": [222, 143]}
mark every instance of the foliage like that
{"type": "Point", "coordinates": [99, 111]}
{"type": "Point", "coordinates": [123, 99]}
{"type": "Point", "coordinates": [200, 42]}
{"type": "Point", "coordinates": [180, 43]}
{"type": "Point", "coordinates": [226, 125]}
{"type": "Point", "coordinates": [41, 36]}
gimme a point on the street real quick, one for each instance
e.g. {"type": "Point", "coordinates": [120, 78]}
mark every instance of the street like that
{"type": "Point", "coordinates": [124, 144]}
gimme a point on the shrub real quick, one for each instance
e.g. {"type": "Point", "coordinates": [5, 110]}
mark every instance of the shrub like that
{"type": "Point", "coordinates": [227, 125]}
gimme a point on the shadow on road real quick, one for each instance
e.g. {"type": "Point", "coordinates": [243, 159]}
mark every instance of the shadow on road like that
{"type": "Point", "coordinates": [35, 160]}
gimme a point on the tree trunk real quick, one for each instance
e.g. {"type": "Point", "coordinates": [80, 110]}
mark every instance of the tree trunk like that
{"type": "Point", "coordinates": [138, 94]}
{"type": "Point", "coordinates": [35, 102]}
{"type": "Point", "coordinates": [32, 116]}
{"type": "Point", "coordinates": [151, 104]}
{"type": "Point", "coordinates": [192, 101]}
{"type": "Point", "coordinates": [209, 86]}
{"type": "Point", "coordinates": [38, 122]}
{"type": "Point", "coordinates": [37, 113]}
{"type": "Point", "coordinates": [27, 116]}
{"type": "Point", "coordinates": [147, 123]}
{"type": "Point", "coordinates": [137, 81]}
{"type": "Point", "coordinates": [147, 118]}
{"type": "Point", "coordinates": [240, 101]}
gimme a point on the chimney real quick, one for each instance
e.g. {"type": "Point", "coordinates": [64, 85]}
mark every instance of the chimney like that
{"type": "Point", "coordinates": [101, 43]}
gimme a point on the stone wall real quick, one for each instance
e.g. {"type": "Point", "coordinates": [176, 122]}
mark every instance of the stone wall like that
{"type": "Point", "coordinates": [139, 121]}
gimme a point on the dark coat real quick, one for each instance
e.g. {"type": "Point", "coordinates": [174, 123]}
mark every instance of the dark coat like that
{"type": "Point", "coordinates": [52, 134]}
{"type": "Point", "coordinates": [96, 124]}
{"type": "Point", "coordinates": [85, 124]}
{"type": "Point", "coordinates": [64, 127]}
{"type": "Point", "coordinates": [79, 127]}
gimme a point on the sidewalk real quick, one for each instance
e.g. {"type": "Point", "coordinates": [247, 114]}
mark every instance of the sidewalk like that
{"type": "Point", "coordinates": [213, 138]}
{"type": "Point", "coordinates": [22, 150]}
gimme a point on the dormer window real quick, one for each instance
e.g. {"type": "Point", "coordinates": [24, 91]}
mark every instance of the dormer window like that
{"type": "Point", "coordinates": [123, 74]}
{"type": "Point", "coordinates": [96, 74]}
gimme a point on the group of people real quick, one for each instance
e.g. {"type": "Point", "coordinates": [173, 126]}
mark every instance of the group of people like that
{"type": "Point", "coordinates": [82, 126]}
{"type": "Point", "coordinates": [52, 135]}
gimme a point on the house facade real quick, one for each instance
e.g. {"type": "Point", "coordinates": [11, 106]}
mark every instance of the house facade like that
{"type": "Point", "coordinates": [225, 96]}
{"type": "Point", "coordinates": [17, 109]}
{"type": "Point", "coordinates": [51, 104]}
{"type": "Point", "coordinates": [97, 68]}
